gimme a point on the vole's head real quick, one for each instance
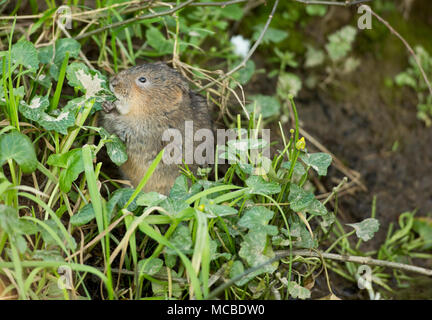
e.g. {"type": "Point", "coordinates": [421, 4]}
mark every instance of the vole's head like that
{"type": "Point", "coordinates": [148, 88]}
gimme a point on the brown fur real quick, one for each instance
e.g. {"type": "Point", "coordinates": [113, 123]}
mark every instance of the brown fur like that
{"type": "Point", "coordinates": [144, 111]}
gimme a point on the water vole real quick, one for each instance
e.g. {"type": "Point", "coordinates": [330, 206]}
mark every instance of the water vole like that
{"type": "Point", "coordinates": [151, 99]}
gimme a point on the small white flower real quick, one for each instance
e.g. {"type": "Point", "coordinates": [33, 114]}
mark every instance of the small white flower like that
{"type": "Point", "coordinates": [241, 45]}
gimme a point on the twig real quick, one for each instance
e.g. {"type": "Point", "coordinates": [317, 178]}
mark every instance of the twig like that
{"type": "Point", "coordinates": [346, 3]}
{"type": "Point", "coordinates": [360, 260]}
{"type": "Point", "coordinates": [251, 51]}
{"type": "Point", "coordinates": [147, 16]}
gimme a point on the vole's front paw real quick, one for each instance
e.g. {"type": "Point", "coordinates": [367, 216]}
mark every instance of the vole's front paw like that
{"type": "Point", "coordinates": [108, 106]}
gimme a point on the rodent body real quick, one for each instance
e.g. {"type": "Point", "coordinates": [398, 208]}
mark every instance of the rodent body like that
{"type": "Point", "coordinates": [151, 99]}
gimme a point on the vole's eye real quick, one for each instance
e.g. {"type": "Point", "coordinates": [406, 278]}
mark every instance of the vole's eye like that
{"type": "Point", "coordinates": [142, 79]}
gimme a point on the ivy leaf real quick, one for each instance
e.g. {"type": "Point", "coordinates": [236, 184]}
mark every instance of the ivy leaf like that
{"type": "Point", "coordinates": [54, 57]}
{"type": "Point", "coordinates": [215, 210]}
{"type": "Point", "coordinates": [340, 43]}
{"type": "Point", "coordinates": [257, 185]}
{"type": "Point", "coordinates": [298, 292]}
{"type": "Point", "coordinates": [60, 121]}
{"type": "Point", "coordinates": [181, 239]}
{"type": "Point", "coordinates": [24, 53]}
{"type": "Point", "coordinates": [257, 219]}
{"type": "Point", "coordinates": [116, 149]}
{"type": "Point", "coordinates": [253, 249]}
{"type": "Point", "coordinates": [267, 106]}
{"type": "Point", "coordinates": [319, 161]}
{"type": "Point", "coordinates": [288, 83]}
{"type": "Point", "coordinates": [181, 191]}
{"type": "Point", "coordinates": [314, 57]}
{"type": "Point", "coordinates": [120, 197]}
{"type": "Point", "coordinates": [150, 266]}
{"type": "Point", "coordinates": [303, 201]}
{"type": "Point", "coordinates": [150, 199]}
{"type": "Point", "coordinates": [73, 165]}
{"type": "Point", "coordinates": [83, 216]}
{"type": "Point", "coordinates": [35, 109]}
{"type": "Point", "coordinates": [366, 229]}
{"type": "Point", "coordinates": [174, 206]}
{"type": "Point", "coordinates": [91, 81]}
{"type": "Point", "coordinates": [299, 169]}
{"type": "Point", "coordinates": [17, 146]}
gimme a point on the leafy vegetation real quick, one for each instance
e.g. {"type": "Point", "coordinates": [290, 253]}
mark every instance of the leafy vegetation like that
{"type": "Point", "coordinates": [67, 226]}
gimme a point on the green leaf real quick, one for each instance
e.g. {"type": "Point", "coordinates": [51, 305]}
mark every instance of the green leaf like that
{"type": "Point", "coordinates": [271, 35]}
{"type": "Point", "coordinates": [314, 57]}
{"type": "Point", "coordinates": [253, 249]}
{"type": "Point", "coordinates": [299, 169]}
{"type": "Point", "coordinates": [288, 83]}
{"type": "Point", "coordinates": [83, 216]}
{"type": "Point", "coordinates": [303, 201]}
{"type": "Point", "coordinates": [215, 210]}
{"type": "Point", "coordinates": [257, 185]}
{"type": "Point", "coordinates": [257, 219]}
{"type": "Point", "coordinates": [59, 121]}
{"type": "Point", "coordinates": [150, 199]}
{"type": "Point", "coordinates": [233, 12]}
{"type": "Point", "coordinates": [121, 196]}
{"type": "Point", "coordinates": [35, 109]}
{"type": "Point", "coordinates": [405, 79]}
{"type": "Point", "coordinates": [316, 10]}
{"type": "Point", "coordinates": [298, 292]}
{"type": "Point", "coordinates": [298, 230]}
{"type": "Point", "coordinates": [340, 43]}
{"type": "Point", "coordinates": [181, 239]}
{"type": "Point", "coordinates": [366, 229]}
{"type": "Point", "coordinates": [245, 74]}
{"type": "Point", "coordinates": [158, 42]}
{"type": "Point", "coordinates": [266, 105]}
{"type": "Point", "coordinates": [90, 81]}
{"type": "Point", "coordinates": [116, 149]}
{"type": "Point", "coordinates": [17, 146]}
{"type": "Point", "coordinates": [24, 53]}
{"type": "Point", "coordinates": [49, 240]}
{"type": "Point", "coordinates": [181, 191]}
{"type": "Point", "coordinates": [151, 266]}
{"type": "Point", "coordinates": [319, 161]}
{"type": "Point", "coordinates": [73, 165]}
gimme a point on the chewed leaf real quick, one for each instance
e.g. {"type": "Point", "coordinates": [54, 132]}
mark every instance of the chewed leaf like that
{"type": "Point", "coordinates": [35, 109]}
{"type": "Point", "coordinates": [60, 123]}
{"type": "Point", "coordinates": [92, 82]}
{"type": "Point", "coordinates": [366, 229]}
{"type": "Point", "coordinates": [318, 161]}
{"type": "Point", "coordinates": [17, 146]}
{"type": "Point", "coordinates": [24, 53]}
